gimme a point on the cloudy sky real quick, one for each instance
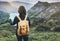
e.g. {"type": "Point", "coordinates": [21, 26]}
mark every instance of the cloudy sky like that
{"type": "Point", "coordinates": [33, 1]}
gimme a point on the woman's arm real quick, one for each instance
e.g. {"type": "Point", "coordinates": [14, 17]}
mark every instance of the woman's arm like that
{"type": "Point", "coordinates": [15, 21]}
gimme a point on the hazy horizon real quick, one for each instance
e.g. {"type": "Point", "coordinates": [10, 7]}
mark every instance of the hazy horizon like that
{"type": "Point", "coordinates": [33, 1]}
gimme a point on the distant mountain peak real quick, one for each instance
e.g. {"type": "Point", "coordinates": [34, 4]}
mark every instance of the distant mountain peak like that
{"type": "Point", "coordinates": [44, 9]}
{"type": "Point", "coordinates": [41, 3]}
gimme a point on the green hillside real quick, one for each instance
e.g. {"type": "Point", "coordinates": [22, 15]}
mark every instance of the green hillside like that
{"type": "Point", "coordinates": [41, 29]}
{"type": "Point", "coordinates": [7, 33]}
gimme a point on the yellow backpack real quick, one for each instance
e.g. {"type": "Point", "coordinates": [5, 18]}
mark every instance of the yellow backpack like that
{"type": "Point", "coordinates": [23, 27]}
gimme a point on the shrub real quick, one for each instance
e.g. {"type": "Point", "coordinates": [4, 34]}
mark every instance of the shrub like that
{"type": "Point", "coordinates": [57, 28]}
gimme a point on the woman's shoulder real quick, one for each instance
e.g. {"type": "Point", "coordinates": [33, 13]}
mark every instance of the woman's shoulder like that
{"type": "Point", "coordinates": [15, 18]}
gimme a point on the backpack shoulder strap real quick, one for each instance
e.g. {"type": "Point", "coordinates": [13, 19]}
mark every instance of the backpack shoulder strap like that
{"type": "Point", "coordinates": [19, 18]}
{"type": "Point", "coordinates": [25, 17]}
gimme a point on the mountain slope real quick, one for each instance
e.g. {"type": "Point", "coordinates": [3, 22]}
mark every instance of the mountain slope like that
{"type": "Point", "coordinates": [49, 11]}
{"type": "Point", "coordinates": [44, 9]}
{"type": "Point", "coordinates": [37, 8]}
{"type": "Point", "coordinates": [3, 17]}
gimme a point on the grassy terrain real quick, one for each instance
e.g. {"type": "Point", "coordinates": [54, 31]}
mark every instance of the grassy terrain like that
{"type": "Point", "coordinates": [7, 35]}
{"type": "Point", "coordinates": [44, 36]}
